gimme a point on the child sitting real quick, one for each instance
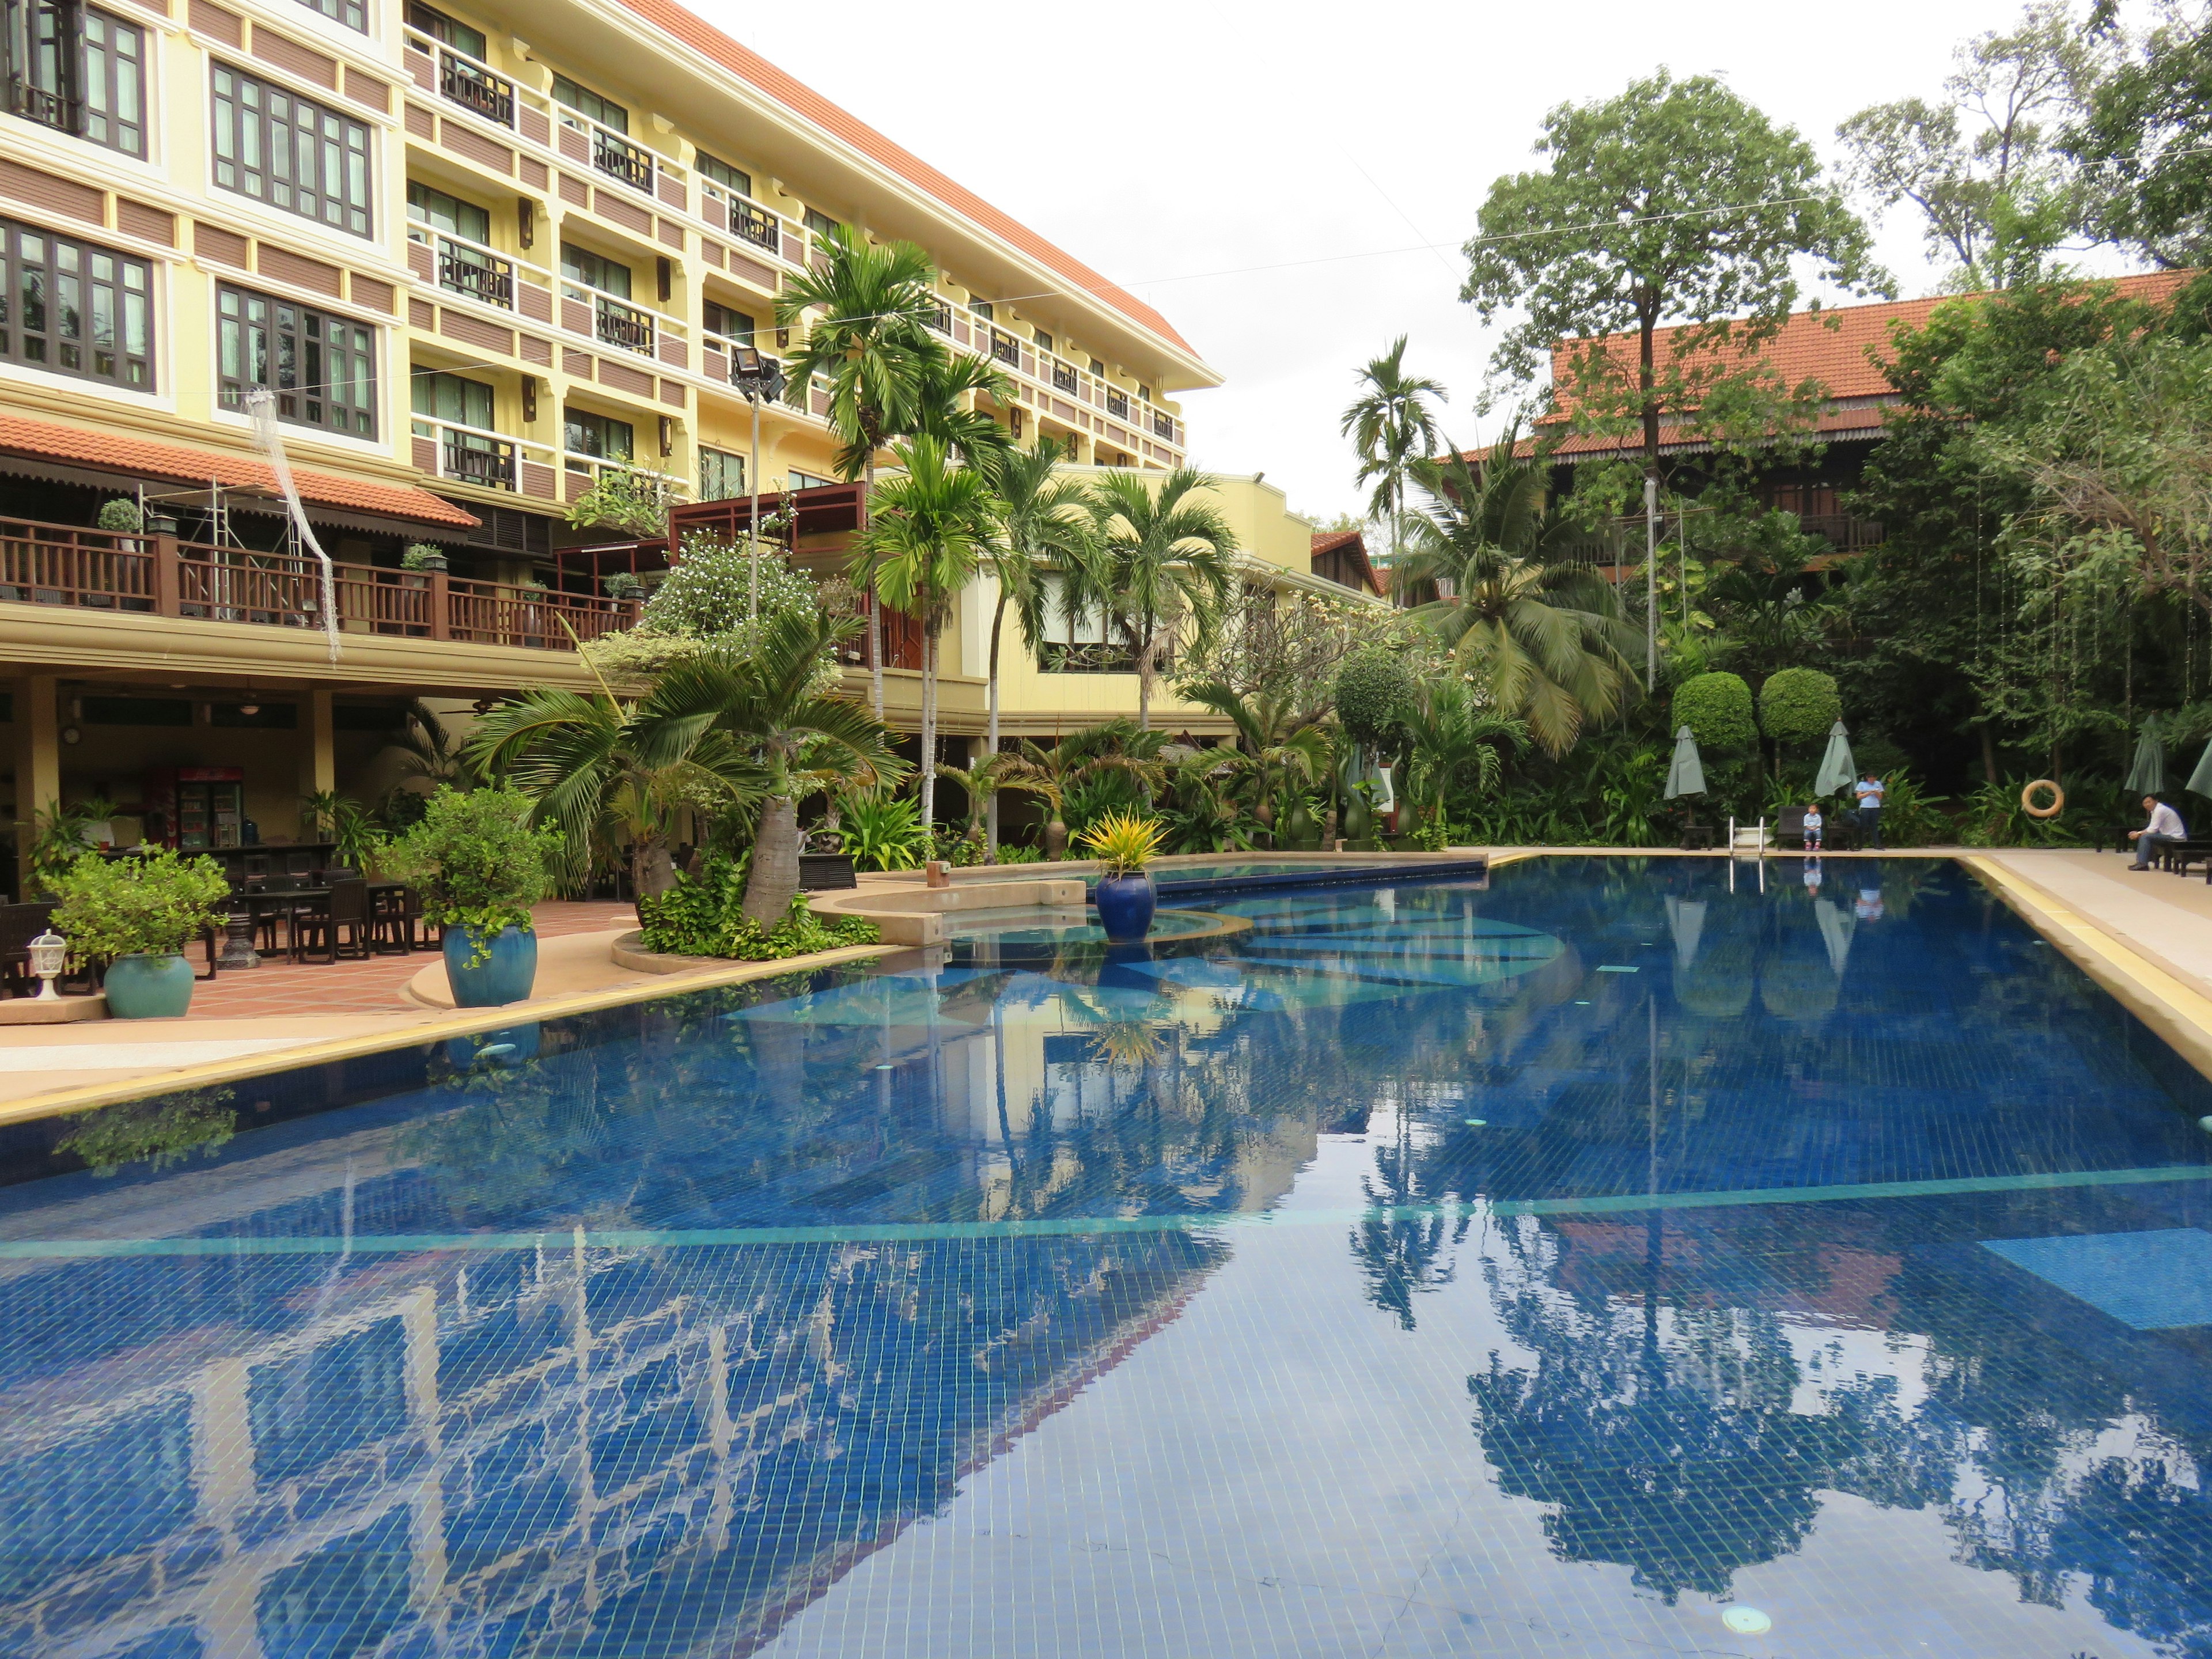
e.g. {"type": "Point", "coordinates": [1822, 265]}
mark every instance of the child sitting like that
{"type": "Point", "coordinates": [1813, 828]}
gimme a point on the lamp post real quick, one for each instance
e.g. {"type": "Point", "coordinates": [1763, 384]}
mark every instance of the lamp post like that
{"type": "Point", "coordinates": [758, 379]}
{"type": "Point", "coordinates": [49, 955]}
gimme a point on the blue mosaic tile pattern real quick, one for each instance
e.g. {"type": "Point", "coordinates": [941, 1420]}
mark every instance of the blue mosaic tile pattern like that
{"type": "Point", "coordinates": [1600, 1263]}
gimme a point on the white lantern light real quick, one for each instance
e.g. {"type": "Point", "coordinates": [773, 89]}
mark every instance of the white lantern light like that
{"type": "Point", "coordinates": [49, 956]}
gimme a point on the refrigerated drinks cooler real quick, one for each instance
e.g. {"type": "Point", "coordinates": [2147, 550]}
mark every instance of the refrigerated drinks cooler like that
{"type": "Point", "coordinates": [195, 807]}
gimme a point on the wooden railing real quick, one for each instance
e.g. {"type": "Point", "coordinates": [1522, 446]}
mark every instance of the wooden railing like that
{"type": "Point", "coordinates": [159, 576]}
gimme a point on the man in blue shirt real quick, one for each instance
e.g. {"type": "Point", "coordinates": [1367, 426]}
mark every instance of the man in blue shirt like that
{"type": "Point", "coordinates": [2165, 827]}
{"type": "Point", "coordinates": [1869, 791]}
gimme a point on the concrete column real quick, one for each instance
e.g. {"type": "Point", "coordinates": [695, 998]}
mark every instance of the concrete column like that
{"type": "Point", "coordinates": [38, 764]}
{"type": "Point", "coordinates": [318, 752]}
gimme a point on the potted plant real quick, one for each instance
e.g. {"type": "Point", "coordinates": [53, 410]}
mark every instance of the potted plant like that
{"type": "Point", "coordinates": [423, 557]}
{"type": "Point", "coordinates": [1124, 843]}
{"type": "Point", "coordinates": [478, 864]}
{"type": "Point", "coordinates": [138, 913]}
{"type": "Point", "coordinates": [121, 513]}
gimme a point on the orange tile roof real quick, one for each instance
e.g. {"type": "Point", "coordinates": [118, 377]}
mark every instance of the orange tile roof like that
{"type": "Point", "coordinates": [1842, 346]}
{"type": "Point", "coordinates": [1331, 541]}
{"type": "Point", "coordinates": [117, 453]}
{"type": "Point", "coordinates": [749, 65]}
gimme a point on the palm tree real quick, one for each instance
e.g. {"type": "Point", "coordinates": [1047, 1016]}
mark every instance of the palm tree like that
{"type": "Point", "coordinates": [872, 347]}
{"type": "Point", "coordinates": [765, 703]}
{"type": "Point", "coordinates": [992, 775]}
{"type": "Point", "coordinates": [1453, 742]}
{"type": "Point", "coordinates": [1285, 749]}
{"type": "Point", "coordinates": [1163, 557]}
{"type": "Point", "coordinates": [934, 525]}
{"type": "Point", "coordinates": [1114, 745]}
{"type": "Point", "coordinates": [1390, 425]}
{"type": "Point", "coordinates": [1047, 529]}
{"type": "Point", "coordinates": [1542, 635]}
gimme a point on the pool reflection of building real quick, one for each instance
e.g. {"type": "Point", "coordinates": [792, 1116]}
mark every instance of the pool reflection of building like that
{"type": "Point", "coordinates": [574, 1446]}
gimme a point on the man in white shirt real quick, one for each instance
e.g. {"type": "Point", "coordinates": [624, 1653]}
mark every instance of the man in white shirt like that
{"type": "Point", "coordinates": [2165, 827]}
{"type": "Point", "coordinates": [1870, 790]}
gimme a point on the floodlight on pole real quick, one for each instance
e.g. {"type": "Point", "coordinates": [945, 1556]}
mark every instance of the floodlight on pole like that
{"type": "Point", "coordinates": [758, 379]}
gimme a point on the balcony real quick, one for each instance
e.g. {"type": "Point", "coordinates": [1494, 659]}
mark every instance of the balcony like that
{"type": "Point", "coordinates": [158, 576]}
{"type": "Point", "coordinates": [468, 269]}
{"type": "Point", "coordinates": [1063, 376]}
{"type": "Point", "coordinates": [1117, 404]}
{"type": "Point", "coordinates": [616, 157]}
{"type": "Point", "coordinates": [751, 222]}
{"type": "Point", "coordinates": [616, 324]}
{"type": "Point", "coordinates": [1164, 425]}
{"type": "Point", "coordinates": [1005, 349]}
{"type": "Point", "coordinates": [465, 82]}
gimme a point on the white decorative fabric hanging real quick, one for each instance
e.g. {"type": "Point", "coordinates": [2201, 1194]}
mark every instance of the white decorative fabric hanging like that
{"type": "Point", "coordinates": [261, 409]}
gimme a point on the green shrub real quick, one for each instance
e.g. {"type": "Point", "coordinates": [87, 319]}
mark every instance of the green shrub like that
{"type": "Point", "coordinates": [121, 514]}
{"type": "Point", "coordinates": [1374, 689]}
{"type": "Point", "coordinates": [1798, 705]}
{"type": "Point", "coordinates": [475, 860]}
{"type": "Point", "coordinates": [1911, 816]}
{"type": "Point", "coordinates": [1017, 852]}
{"type": "Point", "coordinates": [1717, 707]}
{"type": "Point", "coordinates": [154, 903]}
{"type": "Point", "coordinates": [422, 555]}
{"type": "Point", "coordinates": [882, 832]}
{"type": "Point", "coordinates": [704, 916]}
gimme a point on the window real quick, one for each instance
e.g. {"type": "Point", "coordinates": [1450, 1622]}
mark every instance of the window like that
{"type": "Point", "coordinates": [809, 481]}
{"type": "Point", "coordinates": [323, 368]}
{"type": "Point", "coordinates": [590, 105]}
{"type": "Point", "coordinates": [819, 223]}
{"type": "Point", "coordinates": [469, 456]}
{"type": "Point", "coordinates": [1043, 339]}
{"type": "Point", "coordinates": [75, 308]}
{"type": "Point", "coordinates": [77, 70]}
{"type": "Point", "coordinates": [600, 436]}
{"type": "Point", "coordinates": [432, 207]}
{"type": "Point", "coordinates": [290, 152]}
{"type": "Point", "coordinates": [1145, 393]}
{"type": "Point", "coordinates": [982, 308]}
{"type": "Point", "coordinates": [720, 476]}
{"type": "Point", "coordinates": [591, 270]}
{"type": "Point", "coordinates": [734, 180]}
{"type": "Point", "coordinates": [1097, 367]}
{"type": "Point", "coordinates": [354, 14]}
{"type": "Point", "coordinates": [446, 31]}
{"type": "Point", "coordinates": [728, 324]}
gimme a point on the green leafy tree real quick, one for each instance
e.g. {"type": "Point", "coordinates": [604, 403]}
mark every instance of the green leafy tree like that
{"type": "Point", "coordinates": [478, 861]}
{"type": "Point", "coordinates": [933, 526]}
{"type": "Point", "coordinates": [1798, 705]}
{"type": "Point", "coordinates": [1281, 747]}
{"type": "Point", "coordinates": [1455, 746]}
{"type": "Point", "coordinates": [1717, 709]}
{"type": "Point", "coordinates": [1391, 426]}
{"type": "Point", "coordinates": [625, 499]}
{"type": "Point", "coordinates": [1675, 203]}
{"type": "Point", "coordinates": [2144, 137]}
{"type": "Point", "coordinates": [1163, 563]}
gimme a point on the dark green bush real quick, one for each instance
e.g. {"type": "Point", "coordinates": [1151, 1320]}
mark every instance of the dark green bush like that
{"type": "Point", "coordinates": [1798, 705]}
{"type": "Point", "coordinates": [704, 916]}
{"type": "Point", "coordinates": [1717, 707]}
{"type": "Point", "coordinates": [1374, 689]}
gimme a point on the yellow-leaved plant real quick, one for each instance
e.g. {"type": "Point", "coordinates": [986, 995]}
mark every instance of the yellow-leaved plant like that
{"type": "Point", "coordinates": [1123, 842]}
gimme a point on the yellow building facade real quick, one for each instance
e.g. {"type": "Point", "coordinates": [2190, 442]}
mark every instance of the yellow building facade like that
{"type": "Point", "coordinates": [478, 256]}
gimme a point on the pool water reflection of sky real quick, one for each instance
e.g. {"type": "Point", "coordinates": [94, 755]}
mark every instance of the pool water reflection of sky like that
{"type": "Point", "coordinates": [1612, 1262]}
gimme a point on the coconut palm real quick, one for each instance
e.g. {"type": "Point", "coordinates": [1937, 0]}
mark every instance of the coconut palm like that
{"type": "Point", "coordinates": [1542, 635]}
{"type": "Point", "coordinates": [1047, 529]}
{"type": "Point", "coordinates": [765, 701]}
{"type": "Point", "coordinates": [1453, 742]}
{"type": "Point", "coordinates": [873, 348]}
{"type": "Point", "coordinates": [1390, 425]}
{"type": "Point", "coordinates": [1163, 560]}
{"type": "Point", "coordinates": [931, 527]}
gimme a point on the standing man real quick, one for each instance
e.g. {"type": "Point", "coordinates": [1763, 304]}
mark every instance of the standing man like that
{"type": "Point", "coordinates": [2165, 827]}
{"type": "Point", "coordinates": [1869, 791]}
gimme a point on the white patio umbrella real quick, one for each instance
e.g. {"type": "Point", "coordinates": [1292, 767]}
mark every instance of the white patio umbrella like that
{"type": "Point", "coordinates": [1838, 770]}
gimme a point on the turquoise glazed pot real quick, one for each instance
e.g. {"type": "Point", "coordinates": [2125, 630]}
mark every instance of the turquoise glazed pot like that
{"type": "Point", "coordinates": [148, 987]}
{"type": "Point", "coordinates": [506, 975]}
{"type": "Point", "coordinates": [1126, 904]}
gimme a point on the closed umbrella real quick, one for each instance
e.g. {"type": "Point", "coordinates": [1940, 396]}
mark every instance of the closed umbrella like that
{"type": "Point", "coordinates": [1686, 776]}
{"type": "Point", "coordinates": [2200, 781]}
{"type": "Point", "coordinates": [1838, 769]}
{"type": "Point", "coordinates": [2147, 775]}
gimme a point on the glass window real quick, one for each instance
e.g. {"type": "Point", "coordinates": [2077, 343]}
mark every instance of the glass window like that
{"type": "Point", "coordinates": [819, 223]}
{"type": "Point", "coordinates": [730, 324]}
{"type": "Point", "coordinates": [590, 269]}
{"type": "Point", "coordinates": [323, 368]}
{"type": "Point", "coordinates": [432, 207]}
{"type": "Point", "coordinates": [290, 152]}
{"type": "Point", "coordinates": [982, 308]}
{"type": "Point", "coordinates": [354, 14]}
{"type": "Point", "coordinates": [605, 111]}
{"type": "Point", "coordinates": [75, 308]}
{"type": "Point", "coordinates": [1043, 340]}
{"type": "Point", "coordinates": [602, 436]}
{"type": "Point", "coordinates": [77, 70]}
{"type": "Point", "coordinates": [736, 179]}
{"type": "Point", "coordinates": [808, 480]}
{"type": "Point", "coordinates": [446, 31]}
{"type": "Point", "coordinates": [446, 397]}
{"type": "Point", "coordinates": [114, 83]}
{"type": "Point", "coordinates": [720, 475]}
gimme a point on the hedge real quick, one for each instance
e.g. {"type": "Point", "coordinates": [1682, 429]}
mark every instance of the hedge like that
{"type": "Point", "coordinates": [1717, 707]}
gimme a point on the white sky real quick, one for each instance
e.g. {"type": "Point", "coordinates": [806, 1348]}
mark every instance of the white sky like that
{"type": "Point", "coordinates": [1312, 151]}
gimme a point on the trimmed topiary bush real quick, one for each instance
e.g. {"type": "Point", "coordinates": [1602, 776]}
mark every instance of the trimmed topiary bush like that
{"type": "Point", "coordinates": [1798, 705]}
{"type": "Point", "coordinates": [1717, 707]}
{"type": "Point", "coordinates": [1374, 689]}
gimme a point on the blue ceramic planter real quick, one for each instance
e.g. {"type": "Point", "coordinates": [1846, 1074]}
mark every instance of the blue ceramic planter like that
{"type": "Point", "coordinates": [148, 987]}
{"type": "Point", "coordinates": [1126, 904]}
{"type": "Point", "coordinates": [506, 975]}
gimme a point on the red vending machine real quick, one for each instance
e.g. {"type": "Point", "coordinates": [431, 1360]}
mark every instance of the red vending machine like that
{"type": "Point", "coordinates": [193, 808]}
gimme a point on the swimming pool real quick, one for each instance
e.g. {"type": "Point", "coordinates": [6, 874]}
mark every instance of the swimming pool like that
{"type": "Point", "coordinates": [1604, 1263]}
{"type": "Point", "coordinates": [1209, 878]}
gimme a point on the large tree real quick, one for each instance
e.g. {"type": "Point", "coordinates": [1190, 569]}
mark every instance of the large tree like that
{"type": "Point", "coordinates": [1675, 204]}
{"type": "Point", "coordinates": [1392, 427]}
{"type": "Point", "coordinates": [1164, 563]}
{"type": "Point", "coordinates": [2144, 139]}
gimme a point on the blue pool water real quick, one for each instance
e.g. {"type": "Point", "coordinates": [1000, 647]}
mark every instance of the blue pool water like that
{"type": "Point", "coordinates": [1604, 1263]}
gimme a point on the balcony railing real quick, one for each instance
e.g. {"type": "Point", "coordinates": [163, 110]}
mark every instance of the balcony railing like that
{"type": "Point", "coordinates": [467, 269]}
{"type": "Point", "coordinates": [751, 222]}
{"type": "Point", "coordinates": [616, 157]}
{"type": "Point", "coordinates": [1117, 405]}
{"type": "Point", "coordinates": [1005, 347]}
{"type": "Point", "coordinates": [473, 87]}
{"type": "Point", "coordinates": [1063, 376]}
{"type": "Point", "coordinates": [1842, 531]}
{"type": "Point", "coordinates": [619, 325]}
{"type": "Point", "coordinates": [48, 108]}
{"type": "Point", "coordinates": [158, 576]}
{"type": "Point", "coordinates": [1162, 425]}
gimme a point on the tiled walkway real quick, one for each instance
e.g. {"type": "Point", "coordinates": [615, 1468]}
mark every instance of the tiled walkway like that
{"type": "Point", "coordinates": [280, 988]}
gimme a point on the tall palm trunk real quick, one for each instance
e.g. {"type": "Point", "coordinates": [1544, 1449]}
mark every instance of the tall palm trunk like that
{"type": "Point", "coordinates": [929, 712]}
{"type": "Point", "coordinates": [991, 741]}
{"type": "Point", "coordinates": [1145, 684]}
{"type": "Point", "coordinates": [875, 605]}
{"type": "Point", "coordinates": [652, 869]}
{"type": "Point", "coordinates": [774, 881]}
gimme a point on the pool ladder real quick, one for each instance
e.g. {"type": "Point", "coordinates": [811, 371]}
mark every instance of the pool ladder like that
{"type": "Point", "coordinates": [1743, 840]}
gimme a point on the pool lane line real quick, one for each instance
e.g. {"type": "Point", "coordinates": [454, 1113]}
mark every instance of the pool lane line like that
{"type": "Point", "coordinates": [918, 1232]}
{"type": "Point", "coordinates": [2176, 1010]}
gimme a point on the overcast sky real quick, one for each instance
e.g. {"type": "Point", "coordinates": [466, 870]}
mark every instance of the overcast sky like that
{"type": "Point", "coordinates": [1301, 157]}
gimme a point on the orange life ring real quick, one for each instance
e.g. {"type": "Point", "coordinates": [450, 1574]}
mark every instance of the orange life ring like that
{"type": "Point", "coordinates": [2058, 799]}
